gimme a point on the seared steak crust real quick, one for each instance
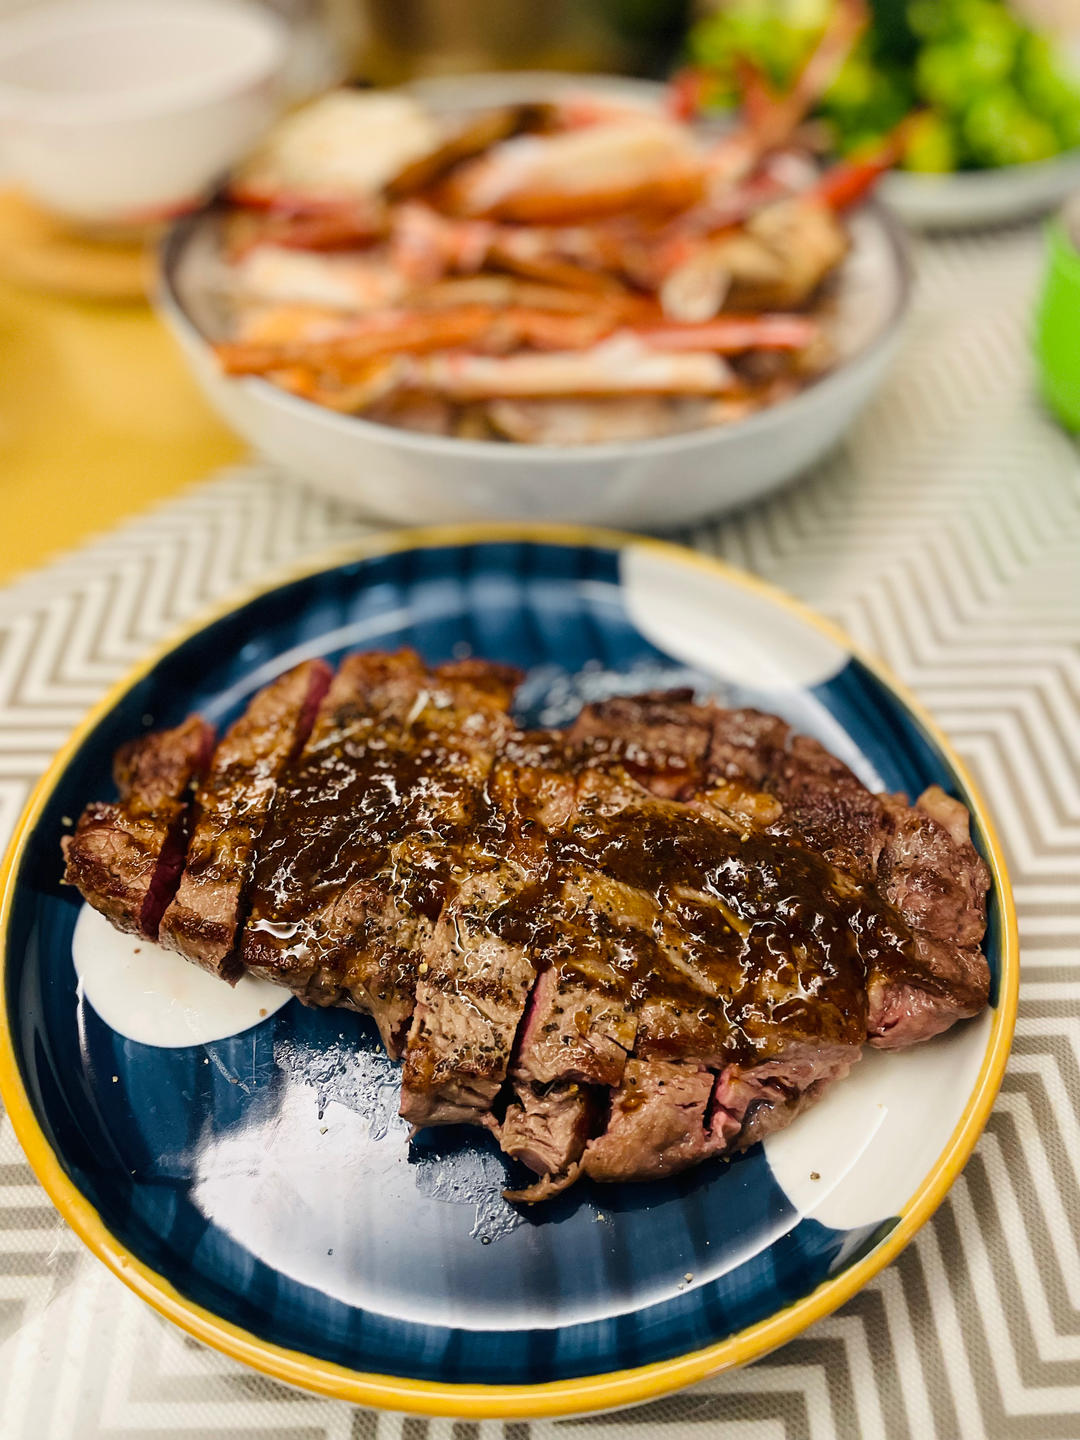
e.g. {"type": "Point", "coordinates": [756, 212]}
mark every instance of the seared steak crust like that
{"type": "Point", "coordinates": [652, 938]}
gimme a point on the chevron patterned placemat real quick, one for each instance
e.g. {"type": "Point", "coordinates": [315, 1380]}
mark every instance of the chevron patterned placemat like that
{"type": "Point", "coordinates": [945, 535]}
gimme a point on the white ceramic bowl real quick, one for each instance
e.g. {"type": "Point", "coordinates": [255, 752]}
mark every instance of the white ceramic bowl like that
{"type": "Point", "coordinates": [981, 197]}
{"type": "Point", "coordinates": [123, 110]}
{"type": "Point", "coordinates": [658, 483]}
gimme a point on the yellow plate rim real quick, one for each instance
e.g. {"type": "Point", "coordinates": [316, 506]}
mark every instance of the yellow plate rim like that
{"type": "Point", "coordinates": [554, 1398]}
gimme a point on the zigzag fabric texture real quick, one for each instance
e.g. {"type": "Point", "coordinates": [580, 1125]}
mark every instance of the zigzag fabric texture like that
{"type": "Point", "coordinates": [945, 535]}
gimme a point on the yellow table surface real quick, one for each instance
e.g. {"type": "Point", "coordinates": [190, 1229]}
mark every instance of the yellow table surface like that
{"type": "Point", "coordinates": [98, 420]}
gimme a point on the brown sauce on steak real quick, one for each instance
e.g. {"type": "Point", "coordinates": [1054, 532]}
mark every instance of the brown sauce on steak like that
{"type": "Point", "coordinates": [624, 947]}
{"type": "Point", "coordinates": [716, 928]}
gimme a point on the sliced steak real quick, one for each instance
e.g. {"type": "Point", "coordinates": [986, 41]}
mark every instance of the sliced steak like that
{"type": "Point", "coordinates": [231, 806]}
{"type": "Point", "coordinates": [365, 842]}
{"type": "Point", "coordinates": [699, 945]}
{"type": "Point", "coordinates": [125, 857]}
{"type": "Point", "coordinates": [680, 749]}
{"type": "Point", "coordinates": [746, 746]}
{"type": "Point", "coordinates": [655, 938]}
{"type": "Point", "coordinates": [828, 808]}
{"type": "Point", "coordinates": [531, 792]}
{"type": "Point", "coordinates": [756, 942]}
{"type": "Point", "coordinates": [930, 870]}
{"type": "Point", "coordinates": [919, 858]}
{"type": "Point", "coordinates": [580, 1024]}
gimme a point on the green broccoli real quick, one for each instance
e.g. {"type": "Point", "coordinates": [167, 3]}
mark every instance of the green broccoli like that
{"type": "Point", "coordinates": [1001, 130]}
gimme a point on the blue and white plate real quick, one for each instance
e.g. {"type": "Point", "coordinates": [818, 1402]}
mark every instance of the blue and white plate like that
{"type": "Point", "coordinates": [242, 1166]}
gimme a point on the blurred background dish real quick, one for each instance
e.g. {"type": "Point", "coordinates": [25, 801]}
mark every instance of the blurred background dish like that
{"type": "Point", "coordinates": [575, 249]}
{"type": "Point", "coordinates": [641, 480]}
{"type": "Point", "coordinates": [662, 482]}
{"type": "Point", "coordinates": [981, 98]}
{"type": "Point", "coordinates": [120, 111]}
{"type": "Point", "coordinates": [402, 40]}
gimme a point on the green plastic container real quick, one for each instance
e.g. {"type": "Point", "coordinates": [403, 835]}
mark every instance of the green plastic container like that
{"type": "Point", "coordinates": [1057, 327]}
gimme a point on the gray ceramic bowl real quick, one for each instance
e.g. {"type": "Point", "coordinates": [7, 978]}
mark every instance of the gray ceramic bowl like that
{"type": "Point", "coordinates": [671, 480]}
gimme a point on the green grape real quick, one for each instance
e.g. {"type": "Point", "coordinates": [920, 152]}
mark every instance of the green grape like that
{"type": "Point", "coordinates": [1042, 81]}
{"type": "Point", "coordinates": [1048, 95]}
{"type": "Point", "coordinates": [931, 147]}
{"type": "Point", "coordinates": [987, 55]}
{"type": "Point", "coordinates": [710, 44]}
{"type": "Point", "coordinates": [929, 19]}
{"type": "Point", "coordinates": [950, 73]}
{"type": "Point", "coordinates": [777, 42]}
{"type": "Point", "coordinates": [1035, 140]}
{"type": "Point", "coordinates": [1000, 130]}
{"type": "Point", "coordinates": [854, 86]}
{"type": "Point", "coordinates": [988, 18]}
{"type": "Point", "coordinates": [855, 143]}
{"type": "Point", "coordinates": [1067, 126]}
{"type": "Point", "coordinates": [990, 117]}
{"type": "Point", "coordinates": [1036, 54]}
{"type": "Point", "coordinates": [716, 43]}
{"type": "Point", "coordinates": [940, 76]}
{"type": "Point", "coordinates": [991, 56]}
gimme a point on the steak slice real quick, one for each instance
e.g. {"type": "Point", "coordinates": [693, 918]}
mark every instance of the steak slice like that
{"type": "Point", "coordinates": [751, 1102]}
{"type": "Point", "coordinates": [930, 871]}
{"type": "Point", "coordinates": [367, 839]}
{"type": "Point", "coordinates": [701, 946]}
{"type": "Point", "coordinates": [661, 738]}
{"type": "Point", "coordinates": [125, 857]}
{"type": "Point", "coordinates": [477, 973]}
{"type": "Point", "coordinates": [680, 749]}
{"type": "Point", "coordinates": [829, 808]}
{"type": "Point", "coordinates": [231, 808]}
{"type": "Point", "coordinates": [764, 939]}
{"type": "Point", "coordinates": [470, 994]}
{"type": "Point", "coordinates": [659, 1123]}
{"type": "Point", "coordinates": [547, 1131]}
{"type": "Point", "coordinates": [579, 1025]}
{"type": "Point", "coordinates": [920, 860]}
